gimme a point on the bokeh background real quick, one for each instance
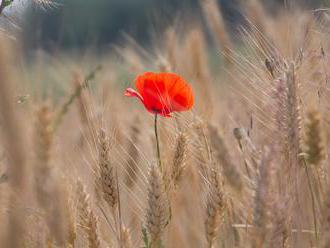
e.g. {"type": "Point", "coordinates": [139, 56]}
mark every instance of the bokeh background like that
{"type": "Point", "coordinates": [76, 24]}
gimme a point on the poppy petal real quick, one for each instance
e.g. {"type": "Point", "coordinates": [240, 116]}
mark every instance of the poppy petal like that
{"type": "Point", "coordinates": [162, 93]}
{"type": "Point", "coordinates": [133, 93]}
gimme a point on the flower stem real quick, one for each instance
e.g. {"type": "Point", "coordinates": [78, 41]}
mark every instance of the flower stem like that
{"type": "Point", "coordinates": [312, 197]}
{"type": "Point", "coordinates": [157, 143]}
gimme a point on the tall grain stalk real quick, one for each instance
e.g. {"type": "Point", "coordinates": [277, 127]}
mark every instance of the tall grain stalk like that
{"type": "Point", "coordinates": [221, 152]}
{"type": "Point", "coordinates": [215, 21]}
{"type": "Point", "coordinates": [263, 201]}
{"type": "Point", "coordinates": [66, 105]}
{"type": "Point", "coordinates": [49, 192]}
{"type": "Point", "coordinates": [15, 146]}
{"type": "Point", "coordinates": [132, 171]}
{"type": "Point", "coordinates": [199, 70]}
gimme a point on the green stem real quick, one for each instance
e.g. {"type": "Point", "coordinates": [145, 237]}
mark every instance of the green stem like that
{"type": "Point", "coordinates": [4, 4]}
{"type": "Point", "coordinates": [312, 197]}
{"type": "Point", "coordinates": [157, 143]}
{"type": "Point", "coordinates": [65, 107]}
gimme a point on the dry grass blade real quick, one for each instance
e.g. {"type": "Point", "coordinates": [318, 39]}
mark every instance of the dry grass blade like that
{"type": "Point", "coordinates": [280, 235]}
{"type": "Point", "coordinates": [65, 107]}
{"type": "Point", "coordinates": [132, 171]}
{"type": "Point", "coordinates": [72, 232]}
{"type": "Point", "coordinates": [325, 237]}
{"type": "Point", "coordinates": [222, 155]}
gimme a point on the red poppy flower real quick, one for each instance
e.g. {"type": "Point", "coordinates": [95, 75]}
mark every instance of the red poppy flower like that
{"type": "Point", "coordinates": [162, 93]}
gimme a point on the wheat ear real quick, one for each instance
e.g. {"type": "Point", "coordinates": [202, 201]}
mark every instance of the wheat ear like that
{"type": "Point", "coordinates": [314, 141]}
{"type": "Point", "coordinates": [215, 207]}
{"type": "Point", "coordinates": [158, 208]}
{"type": "Point", "coordinates": [88, 219]}
{"type": "Point", "coordinates": [179, 158]}
{"type": "Point", "coordinates": [107, 179]}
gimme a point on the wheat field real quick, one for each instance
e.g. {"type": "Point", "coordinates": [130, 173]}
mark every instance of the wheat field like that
{"type": "Point", "coordinates": [248, 166]}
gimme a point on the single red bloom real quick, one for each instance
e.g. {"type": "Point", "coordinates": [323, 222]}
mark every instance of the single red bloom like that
{"type": "Point", "coordinates": [162, 93]}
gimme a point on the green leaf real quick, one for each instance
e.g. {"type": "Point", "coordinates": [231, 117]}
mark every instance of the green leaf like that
{"type": "Point", "coordinates": [3, 178]}
{"type": "Point", "coordinates": [22, 99]}
{"type": "Point", "coordinates": [7, 2]}
{"type": "Point", "coordinates": [145, 237]}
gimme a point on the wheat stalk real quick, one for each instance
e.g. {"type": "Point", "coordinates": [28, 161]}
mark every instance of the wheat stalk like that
{"type": "Point", "coordinates": [46, 187]}
{"type": "Point", "coordinates": [263, 200]}
{"type": "Point", "coordinates": [222, 155]}
{"type": "Point", "coordinates": [15, 146]}
{"type": "Point", "coordinates": [213, 15]}
{"type": "Point", "coordinates": [66, 105]}
{"type": "Point", "coordinates": [132, 171]}
{"type": "Point", "coordinates": [196, 48]}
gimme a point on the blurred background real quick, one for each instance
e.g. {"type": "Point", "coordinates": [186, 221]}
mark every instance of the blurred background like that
{"type": "Point", "coordinates": [77, 24]}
